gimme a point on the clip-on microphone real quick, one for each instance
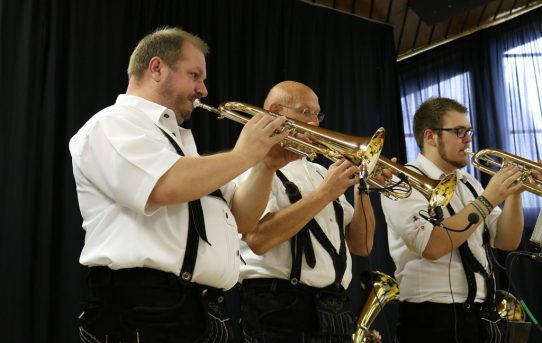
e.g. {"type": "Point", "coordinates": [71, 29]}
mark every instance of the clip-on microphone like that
{"type": "Point", "coordinates": [363, 186]}
{"type": "Point", "coordinates": [437, 219]}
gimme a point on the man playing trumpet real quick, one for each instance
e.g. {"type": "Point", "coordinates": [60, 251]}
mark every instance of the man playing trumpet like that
{"type": "Point", "coordinates": [161, 240]}
{"type": "Point", "coordinates": [443, 270]}
{"type": "Point", "coordinates": [297, 259]}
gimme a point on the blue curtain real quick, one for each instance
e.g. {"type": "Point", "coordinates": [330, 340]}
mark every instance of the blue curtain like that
{"type": "Point", "coordinates": [497, 74]}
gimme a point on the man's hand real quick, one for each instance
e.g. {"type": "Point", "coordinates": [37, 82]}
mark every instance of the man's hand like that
{"type": "Point", "coordinates": [503, 184]}
{"type": "Point", "coordinates": [260, 134]}
{"type": "Point", "coordinates": [537, 174]}
{"type": "Point", "coordinates": [278, 157]}
{"type": "Point", "coordinates": [341, 175]}
{"type": "Point", "coordinates": [373, 337]}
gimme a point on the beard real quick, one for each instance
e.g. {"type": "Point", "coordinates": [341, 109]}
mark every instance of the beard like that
{"type": "Point", "coordinates": [175, 102]}
{"type": "Point", "coordinates": [442, 153]}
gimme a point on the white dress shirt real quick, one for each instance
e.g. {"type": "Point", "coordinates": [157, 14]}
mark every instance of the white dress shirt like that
{"type": "Point", "coordinates": [421, 279]}
{"type": "Point", "coordinates": [118, 156]}
{"type": "Point", "coordinates": [277, 262]}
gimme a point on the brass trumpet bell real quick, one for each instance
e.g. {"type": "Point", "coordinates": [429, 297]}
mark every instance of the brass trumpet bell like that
{"type": "Point", "coordinates": [437, 192]}
{"type": "Point", "coordinates": [509, 307]}
{"type": "Point", "coordinates": [385, 289]}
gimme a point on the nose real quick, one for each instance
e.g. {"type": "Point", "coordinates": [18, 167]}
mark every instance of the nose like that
{"type": "Point", "coordinates": [314, 122]}
{"type": "Point", "coordinates": [202, 90]}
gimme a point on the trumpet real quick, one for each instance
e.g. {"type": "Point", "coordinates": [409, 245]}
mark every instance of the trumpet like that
{"type": "Point", "coordinates": [486, 160]}
{"type": "Point", "coordinates": [437, 192]}
{"type": "Point", "coordinates": [361, 151]}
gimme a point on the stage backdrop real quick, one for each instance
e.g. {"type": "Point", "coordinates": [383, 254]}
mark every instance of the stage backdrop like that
{"type": "Point", "coordinates": [63, 60]}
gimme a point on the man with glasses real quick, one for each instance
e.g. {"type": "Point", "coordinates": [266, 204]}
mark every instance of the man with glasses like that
{"type": "Point", "coordinates": [443, 270]}
{"type": "Point", "coordinates": [297, 259]}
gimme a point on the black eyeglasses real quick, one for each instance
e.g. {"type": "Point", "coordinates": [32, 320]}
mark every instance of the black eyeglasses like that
{"type": "Point", "coordinates": [460, 132]}
{"type": "Point", "coordinates": [306, 112]}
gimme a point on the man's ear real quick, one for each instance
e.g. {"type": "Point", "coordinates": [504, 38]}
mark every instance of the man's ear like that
{"type": "Point", "coordinates": [430, 137]}
{"type": "Point", "coordinates": [155, 68]}
{"type": "Point", "coordinates": [274, 107]}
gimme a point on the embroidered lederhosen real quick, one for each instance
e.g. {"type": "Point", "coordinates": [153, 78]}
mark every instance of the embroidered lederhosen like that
{"type": "Point", "coordinates": [218, 320]}
{"type": "Point", "coordinates": [331, 302]}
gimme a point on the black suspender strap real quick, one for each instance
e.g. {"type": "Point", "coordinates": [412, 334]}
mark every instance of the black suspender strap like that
{"type": "Point", "coordinates": [477, 267]}
{"type": "Point", "coordinates": [466, 254]}
{"type": "Point", "coordinates": [196, 226]}
{"type": "Point", "coordinates": [471, 265]}
{"type": "Point", "coordinates": [302, 243]}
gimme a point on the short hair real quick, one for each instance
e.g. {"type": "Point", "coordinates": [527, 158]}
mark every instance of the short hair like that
{"type": "Point", "coordinates": [165, 43]}
{"type": "Point", "coordinates": [429, 115]}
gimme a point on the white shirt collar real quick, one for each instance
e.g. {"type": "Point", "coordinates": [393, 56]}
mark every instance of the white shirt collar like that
{"type": "Point", "coordinates": [151, 109]}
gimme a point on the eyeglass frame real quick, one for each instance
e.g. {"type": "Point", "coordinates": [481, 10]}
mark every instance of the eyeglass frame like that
{"type": "Point", "coordinates": [306, 111]}
{"type": "Point", "coordinates": [456, 130]}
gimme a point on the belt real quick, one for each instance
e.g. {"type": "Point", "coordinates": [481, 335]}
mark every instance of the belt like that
{"type": "Point", "coordinates": [104, 276]}
{"type": "Point", "coordinates": [429, 307]}
{"type": "Point", "coordinates": [283, 284]}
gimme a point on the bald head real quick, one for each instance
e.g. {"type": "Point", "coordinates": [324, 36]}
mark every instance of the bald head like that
{"type": "Point", "coordinates": [292, 99]}
{"type": "Point", "coordinates": [289, 93]}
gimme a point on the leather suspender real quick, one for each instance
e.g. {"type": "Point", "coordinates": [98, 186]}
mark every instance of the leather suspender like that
{"type": "Point", "coordinates": [301, 243]}
{"type": "Point", "coordinates": [196, 226]}
{"type": "Point", "coordinates": [474, 265]}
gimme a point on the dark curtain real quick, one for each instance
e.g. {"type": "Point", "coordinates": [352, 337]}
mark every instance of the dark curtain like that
{"type": "Point", "coordinates": [63, 60]}
{"type": "Point", "coordinates": [500, 118]}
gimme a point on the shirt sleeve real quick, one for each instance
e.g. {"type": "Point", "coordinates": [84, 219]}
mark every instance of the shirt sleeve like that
{"type": "Point", "coordinates": [404, 220]}
{"type": "Point", "coordinates": [124, 159]}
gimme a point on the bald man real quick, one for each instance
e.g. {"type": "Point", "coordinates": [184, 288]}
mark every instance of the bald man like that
{"type": "Point", "coordinates": [297, 259]}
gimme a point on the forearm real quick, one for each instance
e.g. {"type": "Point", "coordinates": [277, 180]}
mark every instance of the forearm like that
{"type": "Point", "coordinates": [250, 199]}
{"type": "Point", "coordinates": [192, 177]}
{"type": "Point", "coordinates": [510, 224]}
{"type": "Point", "coordinates": [360, 233]}
{"type": "Point", "coordinates": [278, 227]}
{"type": "Point", "coordinates": [442, 241]}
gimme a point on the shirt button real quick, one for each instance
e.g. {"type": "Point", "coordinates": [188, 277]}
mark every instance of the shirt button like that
{"type": "Point", "coordinates": [166, 115]}
{"type": "Point", "coordinates": [226, 213]}
{"type": "Point", "coordinates": [237, 252]}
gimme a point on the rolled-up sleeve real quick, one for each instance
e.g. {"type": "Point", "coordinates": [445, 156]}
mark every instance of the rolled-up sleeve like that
{"type": "Point", "coordinates": [404, 220]}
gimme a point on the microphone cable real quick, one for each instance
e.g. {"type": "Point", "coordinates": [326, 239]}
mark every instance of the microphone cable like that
{"type": "Point", "coordinates": [364, 187]}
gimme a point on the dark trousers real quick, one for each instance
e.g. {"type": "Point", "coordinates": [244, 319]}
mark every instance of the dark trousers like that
{"type": "Point", "coordinates": [145, 305]}
{"type": "Point", "coordinates": [273, 310]}
{"type": "Point", "coordinates": [442, 323]}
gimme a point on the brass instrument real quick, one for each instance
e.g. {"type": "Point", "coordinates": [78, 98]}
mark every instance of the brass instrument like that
{"type": "Point", "coordinates": [385, 289]}
{"type": "Point", "coordinates": [437, 192]}
{"type": "Point", "coordinates": [509, 307]}
{"type": "Point", "coordinates": [484, 159]}
{"type": "Point", "coordinates": [361, 151]}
